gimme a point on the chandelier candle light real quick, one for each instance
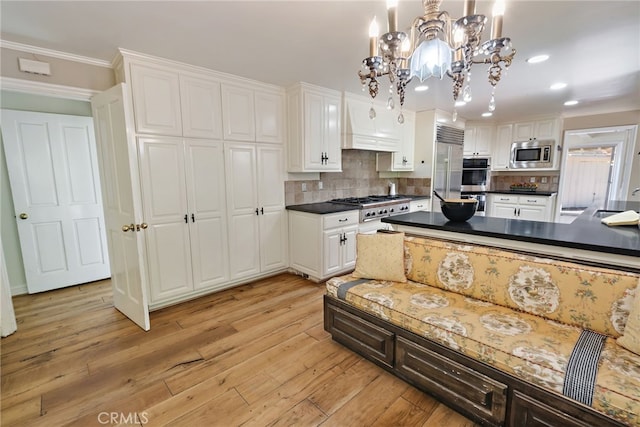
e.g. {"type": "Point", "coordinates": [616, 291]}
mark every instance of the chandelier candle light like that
{"type": "Point", "coordinates": [436, 45]}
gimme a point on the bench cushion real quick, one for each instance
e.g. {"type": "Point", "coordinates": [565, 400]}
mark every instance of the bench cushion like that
{"type": "Point", "coordinates": [592, 298]}
{"type": "Point", "coordinates": [521, 344]}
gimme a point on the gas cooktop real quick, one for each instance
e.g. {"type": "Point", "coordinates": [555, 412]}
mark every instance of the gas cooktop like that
{"type": "Point", "coordinates": [377, 206]}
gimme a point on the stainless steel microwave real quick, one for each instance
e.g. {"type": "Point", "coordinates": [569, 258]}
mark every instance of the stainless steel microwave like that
{"type": "Point", "coordinates": [532, 154]}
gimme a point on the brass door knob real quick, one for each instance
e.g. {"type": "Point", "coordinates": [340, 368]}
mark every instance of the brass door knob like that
{"type": "Point", "coordinates": [126, 228]}
{"type": "Point", "coordinates": [24, 216]}
{"type": "Point", "coordinates": [144, 226]}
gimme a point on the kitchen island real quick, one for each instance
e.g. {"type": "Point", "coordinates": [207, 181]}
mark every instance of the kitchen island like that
{"type": "Point", "coordinates": [586, 239]}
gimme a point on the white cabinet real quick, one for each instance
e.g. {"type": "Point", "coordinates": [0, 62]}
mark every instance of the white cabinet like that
{"type": "Point", "coordinates": [532, 208]}
{"type": "Point", "coordinates": [419, 205]}
{"type": "Point", "coordinates": [502, 147]}
{"type": "Point", "coordinates": [540, 129]}
{"type": "Point", "coordinates": [183, 199]}
{"type": "Point", "coordinates": [401, 160]}
{"type": "Point", "coordinates": [156, 100]}
{"type": "Point", "coordinates": [257, 216]}
{"type": "Point", "coordinates": [201, 107]}
{"type": "Point", "coordinates": [252, 115]}
{"type": "Point", "coordinates": [314, 129]}
{"type": "Point", "coordinates": [477, 140]}
{"type": "Point", "coordinates": [322, 246]}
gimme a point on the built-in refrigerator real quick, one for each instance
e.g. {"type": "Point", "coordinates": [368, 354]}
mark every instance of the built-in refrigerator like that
{"type": "Point", "coordinates": [447, 174]}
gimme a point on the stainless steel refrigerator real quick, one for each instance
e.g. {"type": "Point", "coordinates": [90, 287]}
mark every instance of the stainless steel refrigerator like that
{"type": "Point", "coordinates": [447, 174]}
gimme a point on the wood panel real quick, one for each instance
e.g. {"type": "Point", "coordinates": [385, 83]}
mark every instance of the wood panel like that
{"type": "Point", "coordinates": [254, 355]}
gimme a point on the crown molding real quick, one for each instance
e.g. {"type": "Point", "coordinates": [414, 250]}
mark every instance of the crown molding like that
{"type": "Point", "coordinates": [46, 89]}
{"type": "Point", "coordinates": [54, 53]}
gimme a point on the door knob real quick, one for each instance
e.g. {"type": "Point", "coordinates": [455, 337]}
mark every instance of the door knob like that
{"type": "Point", "coordinates": [144, 226]}
{"type": "Point", "coordinates": [24, 216]}
{"type": "Point", "coordinates": [128, 227]}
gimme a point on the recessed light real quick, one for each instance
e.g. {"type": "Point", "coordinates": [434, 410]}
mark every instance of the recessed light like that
{"type": "Point", "coordinates": [572, 102]}
{"type": "Point", "coordinates": [421, 88]}
{"type": "Point", "coordinates": [537, 58]}
{"type": "Point", "coordinates": [487, 114]}
{"type": "Point", "coordinates": [460, 103]}
{"type": "Point", "coordinates": [558, 86]}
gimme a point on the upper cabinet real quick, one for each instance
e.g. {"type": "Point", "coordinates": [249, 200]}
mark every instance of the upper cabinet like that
{"type": "Point", "coordinates": [156, 95]}
{"type": "Point", "coordinates": [370, 125]}
{"type": "Point", "coordinates": [178, 101]}
{"type": "Point", "coordinates": [541, 129]}
{"type": "Point", "coordinates": [201, 107]}
{"type": "Point", "coordinates": [314, 129]}
{"type": "Point", "coordinates": [252, 115]}
{"type": "Point", "coordinates": [502, 147]}
{"type": "Point", "coordinates": [477, 140]}
{"type": "Point", "coordinates": [401, 160]}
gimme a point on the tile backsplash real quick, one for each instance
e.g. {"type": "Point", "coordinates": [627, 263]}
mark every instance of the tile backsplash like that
{"type": "Point", "coordinates": [547, 182]}
{"type": "Point", "coordinates": [358, 178]}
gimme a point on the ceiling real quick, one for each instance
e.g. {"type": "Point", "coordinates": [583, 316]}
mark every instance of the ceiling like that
{"type": "Point", "coordinates": [594, 46]}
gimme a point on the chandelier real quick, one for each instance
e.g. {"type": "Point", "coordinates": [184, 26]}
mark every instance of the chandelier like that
{"type": "Point", "coordinates": [436, 45]}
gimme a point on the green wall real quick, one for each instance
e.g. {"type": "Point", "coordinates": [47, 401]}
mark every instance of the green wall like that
{"type": "Point", "coordinates": [8, 228]}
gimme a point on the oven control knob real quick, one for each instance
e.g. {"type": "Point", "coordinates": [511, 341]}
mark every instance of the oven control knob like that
{"type": "Point", "coordinates": [385, 211]}
{"type": "Point", "coordinates": [368, 214]}
{"type": "Point", "coordinates": [391, 210]}
{"type": "Point", "coordinates": [380, 212]}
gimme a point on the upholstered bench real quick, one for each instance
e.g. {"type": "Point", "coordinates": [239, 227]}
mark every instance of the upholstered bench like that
{"type": "Point", "coordinates": [505, 337]}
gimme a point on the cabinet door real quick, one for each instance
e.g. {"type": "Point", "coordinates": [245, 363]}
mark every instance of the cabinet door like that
{"type": "Point", "coordinates": [242, 208]}
{"type": "Point", "coordinates": [238, 113]}
{"type": "Point", "coordinates": [273, 224]}
{"type": "Point", "coordinates": [546, 129]}
{"type": "Point", "coordinates": [201, 108]}
{"type": "Point", "coordinates": [469, 141]}
{"type": "Point", "coordinates": [164, 201]}
{"type": "Point", "coordinates": [503, 210]}
{"type": "Point", "coordinates": [349, 247]}
{"type": "Point", "coordinates": [532, 213]}
{"type": "Point", "coordinates": [523, 131]}
{"type": "Point", "coordinates": [502, 147]}
{"type": "Point", "coordinates": [269, 117]}
{"type": "Point", "coordinates": [332, 134]}
{"type": "Point", "coordinates": [156, 100]}
{"type": "Point", "coordinates": [207, 212]}
{"type": "Point", "coordinates": [484, 136]}
{"type": "Point", "coordinates": [314, 131]}
{"type": "Point", "coordinates": [332, 246]}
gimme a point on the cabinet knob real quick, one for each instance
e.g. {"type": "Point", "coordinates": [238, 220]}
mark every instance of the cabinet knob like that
{"type": "Point", "coordinates": [128, 227]}
{"type": "Point", "coordinates": [24, 216]}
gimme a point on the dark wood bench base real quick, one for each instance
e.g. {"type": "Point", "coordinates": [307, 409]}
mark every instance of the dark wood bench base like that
{"type": "Point", "coordinates": [479, 391]}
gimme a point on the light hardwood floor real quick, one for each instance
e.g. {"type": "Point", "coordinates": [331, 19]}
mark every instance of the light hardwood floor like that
{"type": "Point", "coordinates": [255, 355]}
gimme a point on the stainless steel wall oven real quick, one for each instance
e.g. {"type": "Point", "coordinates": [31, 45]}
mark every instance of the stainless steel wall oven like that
{"type": "Point", "coordinates": [476, 178]}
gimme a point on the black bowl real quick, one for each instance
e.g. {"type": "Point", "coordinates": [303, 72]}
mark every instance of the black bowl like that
{"type": "Point", "coordinates": [459, 211]}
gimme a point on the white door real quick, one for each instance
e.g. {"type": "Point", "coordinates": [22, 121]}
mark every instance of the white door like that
{"type": "Point", "coordinates": [242, 205]}
{"type": "Point", "coordinates": [121, 197]}
{"type": "Point", "coordinates": [53, 172]}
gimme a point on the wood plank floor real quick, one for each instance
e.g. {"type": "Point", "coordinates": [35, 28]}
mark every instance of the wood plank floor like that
{"type": "Point", "coordinates": [255, 355]}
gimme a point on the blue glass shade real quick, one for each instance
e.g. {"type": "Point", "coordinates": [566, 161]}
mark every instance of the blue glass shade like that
{"type": "Point", "coordinates": [431, 58]}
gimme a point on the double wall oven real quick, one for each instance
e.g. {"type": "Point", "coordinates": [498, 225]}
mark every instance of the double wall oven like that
{"type": "Point", "coordinates": [476, 177]}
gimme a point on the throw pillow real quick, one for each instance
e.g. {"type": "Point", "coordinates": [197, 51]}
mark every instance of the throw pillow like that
{"type": "Point", "coordinates": [631, 336]}
{"type": "Point", "coordinates": [380, 256]}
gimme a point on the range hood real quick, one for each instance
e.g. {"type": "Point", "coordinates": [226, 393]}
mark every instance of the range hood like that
{"type": "Point", "coordinates": [363, 130]}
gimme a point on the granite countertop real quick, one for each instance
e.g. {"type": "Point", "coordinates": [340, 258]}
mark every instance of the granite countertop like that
{"type": "Point", "coordinates": [524, 193]}
{"type": "Point", "coordinates": [585, 232]}
{"type": "Point", "coordinates": [323, 208]}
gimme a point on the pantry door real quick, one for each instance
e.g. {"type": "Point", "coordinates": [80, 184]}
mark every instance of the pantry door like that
{"type": "Point", "coordinates": [53, 172]}
{"type": "Point", "coordinates": [119, 176]}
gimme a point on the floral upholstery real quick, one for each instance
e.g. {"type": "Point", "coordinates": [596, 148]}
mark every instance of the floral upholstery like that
{"type": "Point", "coordinates": [592, 298]}
{"type": "Point", "coordinates": [517, 313]}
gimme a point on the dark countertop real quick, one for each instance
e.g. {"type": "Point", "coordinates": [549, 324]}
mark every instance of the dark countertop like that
{"type": "Point", "coordinates": [323, 208]}
{"type": "Point", "coordinates": [585, 232]}
{"type": "Point", "coordinates": [523, 193]}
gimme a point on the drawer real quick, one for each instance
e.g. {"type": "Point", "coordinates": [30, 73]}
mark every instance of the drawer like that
{"type": "Point", "coordinates": [365, 338]}
{"type": "Point", "coordinates": [532, 200]}
{"type": "Point", "coordinates": [452, 382]}
{"type": "Point", "coordinates": [340, 219]}
{"type": "Point", "coordinates": [501, 198]}
{"type": "Point", "coordinates": [527, 411]}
